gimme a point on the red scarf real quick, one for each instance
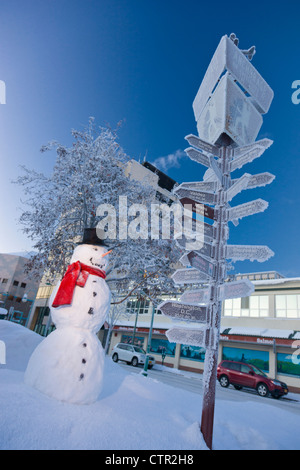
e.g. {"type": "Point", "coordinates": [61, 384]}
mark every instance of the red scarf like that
{"type": "Point", "coordinates": [76, 275]}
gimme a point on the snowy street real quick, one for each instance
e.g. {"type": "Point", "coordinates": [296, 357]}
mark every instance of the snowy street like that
{"type": "Point", "coordinates": [192, 382]}
{"type": "Point", "coordinates": [134, 412]}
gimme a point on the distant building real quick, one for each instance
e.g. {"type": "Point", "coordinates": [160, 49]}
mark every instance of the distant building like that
{"type": "Point", "coordinates": [17, 290]}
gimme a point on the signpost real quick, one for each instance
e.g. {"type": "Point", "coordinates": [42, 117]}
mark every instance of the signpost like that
{"type": "Point", "coordinates": [182, 311]}
{"type": "Point", "coordinates": [230, 120]}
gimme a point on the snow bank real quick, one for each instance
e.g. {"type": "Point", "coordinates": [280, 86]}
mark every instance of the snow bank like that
{"type": "Point", "coordinates": [133, 412]}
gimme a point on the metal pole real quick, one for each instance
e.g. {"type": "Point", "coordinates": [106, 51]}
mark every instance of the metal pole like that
{"type": "Point", "coordinates": [211, 355]}
{"type": "Point", "coordinates": [145, 371]}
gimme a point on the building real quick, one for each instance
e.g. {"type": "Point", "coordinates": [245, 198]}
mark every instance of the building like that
{"type": "Point", "coordinates": [17, 290]}
{"type": "Point", "coordinates": [263, 329]}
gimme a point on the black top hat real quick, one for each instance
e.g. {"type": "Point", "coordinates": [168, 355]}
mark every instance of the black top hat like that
{"type": "Point", "coordinates": [93, 236]}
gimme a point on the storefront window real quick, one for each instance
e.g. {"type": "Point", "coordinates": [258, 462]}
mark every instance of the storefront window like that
{"type": "Point", "coordinates": [160, 346]}
{"type": "Point", "coordinates": [193, 353]}
{"type": "Point", "coordinates": [286, 366]}
{"type": "Point", "coordinates": [259, 359]}
{"type": "Point", "coordinates": [138, 340]}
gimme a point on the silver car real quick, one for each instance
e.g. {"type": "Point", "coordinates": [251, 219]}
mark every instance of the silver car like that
{"type": "Point", "coordinates": [133, 355]}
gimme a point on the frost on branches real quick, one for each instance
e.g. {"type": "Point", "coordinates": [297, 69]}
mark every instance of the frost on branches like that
{"type": "Point", "coordinates": [58, 207]}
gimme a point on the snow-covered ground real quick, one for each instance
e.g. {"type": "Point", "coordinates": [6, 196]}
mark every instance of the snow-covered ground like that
{"type": "Point", "coordinates": [133, 412]}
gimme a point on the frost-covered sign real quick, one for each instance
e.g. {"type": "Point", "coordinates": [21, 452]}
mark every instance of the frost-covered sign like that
{"type": "Point", "coordinates": [202, 145]}
{"type": "Point", "coordinates": [193, 337]}
{"type": "Point", "coordinates": [202, 264]}
{"type": "Point", "coordinates": [249, 208]}
{"type": "Point", "coordinates": [180, 311]}
{"type": "Point", "coordinates": [197, 196]}
{"type": "Point", "coordinates": [249, 153]}
{"type": "Point", "coordinates": [188, 276]}
{"type": "Point", "coordinates": [235, 289]}
{"type": "Point", "coordinates": [228, 121]}
{"type": "Point", "coordinates": [198, 296]}
{"type": "Point", "coordinates": [250, 252]}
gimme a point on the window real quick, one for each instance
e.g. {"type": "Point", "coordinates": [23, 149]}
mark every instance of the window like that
{"type": "Point", "coordinates": [138, 306]}
{"type": "Point", "coordinates": [256, 358]}
{"type": "Point", "coordinates": [16, 283]}
{"type": "Point", "coordinates": [287, 306]}
{"type": "Point", "coordinates": [23, 285]}
{"type": "Point", "coordinates": [253, 306]}
{"type": "Point", "coordinates": [4, 281]}
{"type": "Point", "coordinates": [245, 369]}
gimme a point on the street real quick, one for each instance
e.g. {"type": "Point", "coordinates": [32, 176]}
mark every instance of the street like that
{"type": "Point", "coordinates": [193, 383]}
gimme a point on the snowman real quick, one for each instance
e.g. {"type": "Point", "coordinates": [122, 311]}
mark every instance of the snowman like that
{"type": "Point", "coordinates": [68, 364]}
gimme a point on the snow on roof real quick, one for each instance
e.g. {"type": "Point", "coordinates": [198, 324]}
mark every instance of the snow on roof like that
{"type": "Point", "coordinates": [276, 281]}
{"type": "Point", "coordinates": [263, 332]}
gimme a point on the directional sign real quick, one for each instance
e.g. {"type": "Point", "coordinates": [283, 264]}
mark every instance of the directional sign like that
{"type": "Point", "coordinates": [200, 209]}
{"type": "Point", "coordinates": [228, 57]}
{"type": "Point", "coordinates": [199, 296]}
{"type": "Point", "coordinates": [261, 179]}
{"type": "Point", "coordinates": [248, 153]}
{"type": "Point", "coordinates": [237, 187]}
{"type": "Point", "coordinates": [202, 264]}
{"type": "Point", "coordinates": [198, 156]}
{"type": "Point", "coordinates": [215, 167]}
{"type": "Point", "coordinates": [231, 112]}
{"type": "Point", "coordinates": [188, 276]}
{"type": "Point", "coordinates": [207, 186]}
{"type": "Point", "coordinates": [202, 145]}
{"type": "Point", "coordinates": [193, 337]}
{"type": "Point", "coordinates": [192, 243]}
{"type": "Point", "coordinates": [249, 208]}
{"type": "Point", "coordinates": [251, 252]}
{"type": "Point", "coordinates": [186, 312]}
{"type": "Point", "coordinates": [235, 289]}
{"type": "Point", "coordinates": [197, 196]}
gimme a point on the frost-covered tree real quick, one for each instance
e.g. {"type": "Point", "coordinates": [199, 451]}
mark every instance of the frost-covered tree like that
{"type": "Point", "coordinates": [92, 171]}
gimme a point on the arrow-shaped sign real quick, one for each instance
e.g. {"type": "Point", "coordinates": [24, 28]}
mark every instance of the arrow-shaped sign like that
{"type": "Point", "coordinates": [198, 156]}
{"type": "Point", "coordinates": [248, 153]}
{"type": "Point", "coordinates": [261, 179]}
{"type": "Point", "coordinates": [249, 208]}
{"type": "Point", "coordinates": [193, 337]}
{"type": "Point", "coordinates": [238, 186]}
{"type": "Point", "coordinates": [207, 186]}
{"type": "Point", "coordinates": [197, 196]}
{"type": "Point", "coordinates": [185, 312]}
{"type": "Point", "coordinates": [235, 289]}
{"type": "Point", "coordinates": [251, 252]}
{"type": "Point", "coordinates": [202, 145]}
{"type": "Point", "coordinates": [200, 209]}
{"type": "Point", "coordinates": [199, 296]}
{"type": "Point", "coordinates": [188, 276]}
{"type": "Point", "coordinates": [202, 264]}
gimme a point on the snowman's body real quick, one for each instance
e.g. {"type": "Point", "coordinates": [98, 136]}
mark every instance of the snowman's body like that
{"type": "Point", "coordinates": [68, 364]}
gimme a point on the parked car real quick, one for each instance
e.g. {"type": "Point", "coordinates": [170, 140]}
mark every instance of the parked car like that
{"type": "Point", "coordinates": [240, 375]}
{"type": "Point", "coordinates": [132, 355]}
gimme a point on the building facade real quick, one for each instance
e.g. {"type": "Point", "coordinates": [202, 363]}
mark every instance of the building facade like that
{"type": "Point", "coordinates": [17, 290]}
{"type": "Point", "coordinates": [263, 329]}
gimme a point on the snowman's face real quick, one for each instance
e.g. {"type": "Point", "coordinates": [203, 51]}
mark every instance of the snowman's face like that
{"type": "Point", "coordinates": [92, 255]}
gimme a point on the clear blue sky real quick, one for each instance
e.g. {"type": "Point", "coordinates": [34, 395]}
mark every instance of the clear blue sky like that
{"type": "Point", "coordinates": [142, 62]}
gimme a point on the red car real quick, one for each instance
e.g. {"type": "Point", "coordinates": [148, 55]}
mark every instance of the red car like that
{"type": "Point", "coordinates": [242, 375]}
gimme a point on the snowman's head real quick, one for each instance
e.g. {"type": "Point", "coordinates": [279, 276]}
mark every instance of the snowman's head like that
{"type": "Point", "coordinates": [96, 256]}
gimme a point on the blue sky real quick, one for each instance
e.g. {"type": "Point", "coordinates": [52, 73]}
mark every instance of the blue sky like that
{"type": "Point", "coordinates": [142, 62]}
